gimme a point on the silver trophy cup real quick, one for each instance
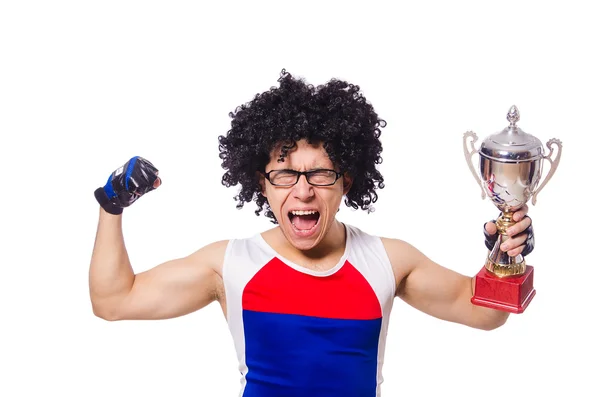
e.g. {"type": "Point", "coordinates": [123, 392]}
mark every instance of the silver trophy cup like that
{"type": "Point", "coordinates": [509, 173]}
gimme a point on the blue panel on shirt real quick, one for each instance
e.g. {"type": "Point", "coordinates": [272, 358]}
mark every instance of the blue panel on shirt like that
{"type": "Point", "coordinates": [292, 355]}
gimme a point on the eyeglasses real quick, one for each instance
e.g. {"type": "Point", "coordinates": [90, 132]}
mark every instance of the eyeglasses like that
{"type": "Point", "coordinates": [291, 177]}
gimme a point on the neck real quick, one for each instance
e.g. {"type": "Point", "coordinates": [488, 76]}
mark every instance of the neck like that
{"type": "Point", "coordinates": [334, 241]}
{"type": "Point", "coordinates": [333, 244]}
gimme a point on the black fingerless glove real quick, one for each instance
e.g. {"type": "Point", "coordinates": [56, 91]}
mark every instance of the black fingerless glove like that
{"type": "Point", "coordinates": [490, 239]}
{"type": "Point", "coordinates": [530, 242]}
{"type": "Point", "coordinates": [126, 185]}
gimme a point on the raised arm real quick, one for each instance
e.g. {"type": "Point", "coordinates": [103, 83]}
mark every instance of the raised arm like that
{"type": "Point", "coordinates": [171, 289]}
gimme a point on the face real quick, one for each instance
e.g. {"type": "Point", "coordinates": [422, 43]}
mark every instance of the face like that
{"type": "Point", "coordinates": [304, 212]}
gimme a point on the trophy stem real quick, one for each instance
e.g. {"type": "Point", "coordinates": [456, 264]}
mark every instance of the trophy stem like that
{"type": "Point", "coordinates": [498, 262]}
{"type": "Point", "coordinates": [505, 221]}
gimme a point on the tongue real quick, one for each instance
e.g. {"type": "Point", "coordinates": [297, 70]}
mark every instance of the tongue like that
{"type": "Point", "coordinates": [305, 222]}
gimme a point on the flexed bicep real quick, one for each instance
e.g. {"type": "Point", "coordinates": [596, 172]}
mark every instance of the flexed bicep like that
{"type": "Point", "coordinates": [175, 288]}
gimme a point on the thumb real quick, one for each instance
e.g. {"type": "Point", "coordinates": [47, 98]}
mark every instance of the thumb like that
{"type": "Point", "coordinates": [490, 228]}
{"type": "Point", "coordinates": [157, 182]}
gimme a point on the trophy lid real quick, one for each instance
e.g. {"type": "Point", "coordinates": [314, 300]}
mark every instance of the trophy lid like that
{"type": "Point", "coordinates": [512, 144]}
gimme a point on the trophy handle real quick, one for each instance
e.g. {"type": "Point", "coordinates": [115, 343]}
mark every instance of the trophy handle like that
{"type": "Point", "coordinates": [553, 165]}
{"type": "Point", "coordinates": [469, 157]}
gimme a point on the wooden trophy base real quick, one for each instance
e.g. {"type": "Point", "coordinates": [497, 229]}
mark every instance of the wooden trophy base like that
{"type": "Point", "coordinates": [510, 294]}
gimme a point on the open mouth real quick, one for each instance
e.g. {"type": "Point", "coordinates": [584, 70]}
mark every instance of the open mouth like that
{"type": "Point", "coordinates": [304, 221]}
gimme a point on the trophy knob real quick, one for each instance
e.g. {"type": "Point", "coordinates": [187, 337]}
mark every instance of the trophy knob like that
{"type": "Point", "coordinates": [513, 115]}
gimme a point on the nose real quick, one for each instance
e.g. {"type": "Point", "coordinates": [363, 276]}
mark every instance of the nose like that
{"type": "Point", "coordinates": [303, 190]}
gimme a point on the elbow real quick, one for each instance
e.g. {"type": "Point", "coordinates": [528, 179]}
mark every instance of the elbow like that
{"type": "Point", "coordinates": [495, 323]}
{"type": "Point", "coordinates": [105, 312]}
{"type": "Point", "coordinates": [487, 319]}
{"type": "Point", "coordinates": [492, 326]}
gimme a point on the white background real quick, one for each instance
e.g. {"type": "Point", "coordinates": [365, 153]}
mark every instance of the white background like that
{"type": "Point", "coordinates": [86, 85]}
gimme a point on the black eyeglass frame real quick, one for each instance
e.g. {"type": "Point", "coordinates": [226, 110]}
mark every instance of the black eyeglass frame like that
{"type": "Point", "coordinates": [306, 174]}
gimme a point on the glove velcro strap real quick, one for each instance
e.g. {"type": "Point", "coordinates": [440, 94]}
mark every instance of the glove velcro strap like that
{"type": "Point", "coordinates": [105, 202]}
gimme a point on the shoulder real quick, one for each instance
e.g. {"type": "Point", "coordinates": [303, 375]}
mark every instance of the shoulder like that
{"type": "Point", "coordinates": [403, 256]}
{"type": "Point", "coordinates": [355, 233]}
{"type": "Point", "coordinates": [212, 255]}
{"type": "Point", "coordinates": [400, 251]}
{"type": "Point", "coordinates": [228, 256]}
{"type": "Point", "coordinates": [397, 250]}
{"type": "Point", "coordinates": [216, 253]}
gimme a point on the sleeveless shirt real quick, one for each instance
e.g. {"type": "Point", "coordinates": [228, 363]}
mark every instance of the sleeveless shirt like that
{"type": "Point", "coordinates": [300, 332]}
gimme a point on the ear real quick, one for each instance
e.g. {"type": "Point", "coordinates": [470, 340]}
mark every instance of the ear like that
{"type": "Point", "coordinates": [261, 182]}
{"type": "Point", "coordinates": [347, 181]}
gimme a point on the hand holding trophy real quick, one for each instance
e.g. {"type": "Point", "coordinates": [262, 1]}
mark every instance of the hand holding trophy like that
{"type": "Point", "coordinates": [510, 170]}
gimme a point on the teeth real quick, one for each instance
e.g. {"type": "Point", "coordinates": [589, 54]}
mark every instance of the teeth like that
{"type": "Point", "coordinates": [304, 212]}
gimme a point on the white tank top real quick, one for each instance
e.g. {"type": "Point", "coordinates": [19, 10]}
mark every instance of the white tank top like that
{"type": "Point", "coordinates": [299, 332]}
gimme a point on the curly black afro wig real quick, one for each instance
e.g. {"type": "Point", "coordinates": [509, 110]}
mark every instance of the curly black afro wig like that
{"type": "Point", "coordinates": [335, 114]}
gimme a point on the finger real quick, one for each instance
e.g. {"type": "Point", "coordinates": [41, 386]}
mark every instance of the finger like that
{"type": "Point", "coordinates": [157, 182]}
{"type": "Point", "coordinates": [519, 227]}
{"type": "Point", "coordinates": [520, 214]}
{"type": "Point", "coordinates": [513, 243]}
{"type": "Point", "coordinates": [516, 251]}
{"type": "Point", "coordinates": [147, 162]}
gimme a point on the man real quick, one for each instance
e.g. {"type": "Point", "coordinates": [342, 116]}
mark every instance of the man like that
{"type": "Point", "coordinates": [308, 301]}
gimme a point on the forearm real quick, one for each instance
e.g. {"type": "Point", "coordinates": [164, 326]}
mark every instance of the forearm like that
{"type": "Point", "coordinates": [111, 276]}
